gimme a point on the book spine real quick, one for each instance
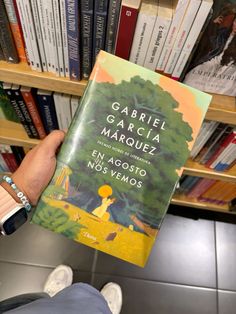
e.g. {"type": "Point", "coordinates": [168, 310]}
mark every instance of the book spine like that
{"type": "Point", "coordinates": [182, 35]}
{"type": "Point", "coordinates": [38, 33]}
{"type": "Point", "coordinates": [2, 57]}
{"type": "Point", "coordinates": [112, 25]}
{"type": "Point", "coordinates": [3, 164]}
{"type": "Point", "coordinates": [18, 112]}
{"type": "Point", "coordinates": [47, 111]}
{"type": "Point", "coordinates": [128, 16]}
{"type": "Point", "coordinates": [74, 104]}
{"type": "Point", "coordinates": [157, 41]}
{"type": "Point", "coordinates": [86, 36]}
{"type": "Point", "coordinates": [201, 187]}
{"type": "Point", "coordinates": [25, 30]}
{"type": "Point", "coordinates": [33, 111]}
{"type": "Point", "coordinates": [59, 109]}
{"type": "Point", "coordinates": [6, 38]}
{"type": "Point", "coordinates": [223, 157]}
{"type": "Point", "coordinates": [64, 36]}
{"type": "Point", "coordinates": [19, 153]}
{"type": "Point", "coordinates": [174, 27]}
{"type": "Point", "coordinates": [15, 28]}
{"type": "Point", "coordinates": [72, 20]}
{"type": "Point", "coordinates": [143, 31]}
{"type": "Point", "coordinates": [58, 33]}
{"type": "Point", "coordinates": [192, 38]}
{"type": "Point", "coordinates": [99, 26]}
{"type": "Point", "coordinates": [9, 157]}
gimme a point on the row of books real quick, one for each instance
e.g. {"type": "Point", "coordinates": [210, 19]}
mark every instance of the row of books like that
{"type": "Point", "coordinates": [207, 190]}
{"type": "Point", "coordinates": [40, 111]}
{"type": "Point", "coordinates": [10, 157]}
{"type": "Point", "coordinates": [215, 146]}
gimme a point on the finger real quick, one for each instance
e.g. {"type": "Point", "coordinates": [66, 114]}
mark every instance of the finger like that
{"type": "Point", "coordinates": [52, 142]}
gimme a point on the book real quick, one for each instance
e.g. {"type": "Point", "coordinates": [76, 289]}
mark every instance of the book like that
{"type": "Point", "coordinates": [2, 57]}
{"type": "Point", "coordinates": [192, 38]}
{"type": "Point", "coordinates": [213, 65]}
{"type": "Point", "coordinates": [112, 25]}
{"type": "Point", "coordinates": [143, 31]}
{"type": "Point", "coordinates": [86, 26]}
{"type": "Point", "coordinates": [99, 27]}
{"type": "Point", "coordinates": [64, 36]}
{"type": "Point", "coordinates": [8, 157]}
{"type": "Point", "coordinates": [29, 100]}
{"type": "Point", "coordinates": [180, 8]}
{"type": "Point", "coordinates": [18, 153]}
{"type": "Point", "coordinates": [6, 39]}
{"type": "Point", "coordinates": [121, 159]}
{"type": "Point", "coordinates": [159, 34]}
{"type": "Point", "coordinates": [74, 104]}
{"type": "Point", "coordinates": [6, 110]}
{"type": "Point", "coordinates": [128, 16]}
{"type": "Point", "coordinates": [62, 106]}
{"type": "Point", "coordinates": [3, 165]}
{"type": "Point", "coordinates": [46, 108]}
{"type": "Point", "coordinates": [15, 28]}
{"type": "Point", "coordinates": [200, 187]}
{"type": "Point", "coordinates": [73, 37]}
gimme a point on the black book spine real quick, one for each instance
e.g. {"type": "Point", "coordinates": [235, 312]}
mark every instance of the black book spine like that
{"type": "Point", "coordinates": [18, 153]}
{"type": "Point", "coordinates": [2, 54]}
{"type": "Point", "coordinates": [6, 40]}
{"type": "Point", "coordinates": [18, 112]}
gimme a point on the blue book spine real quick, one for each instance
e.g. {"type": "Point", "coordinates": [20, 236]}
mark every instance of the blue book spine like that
{"type": "Point", "coordinates": [99, 26]}
{"type": "Point", "coordinates": [72, 22]}
{"type": "Point", "coordinates": [46, 107]}
{"type": "Point", "coordinates": [86, 9]}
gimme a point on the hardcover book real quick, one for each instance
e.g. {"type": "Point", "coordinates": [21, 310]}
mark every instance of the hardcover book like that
{"type": "Point", "coordinates": [121, 159]}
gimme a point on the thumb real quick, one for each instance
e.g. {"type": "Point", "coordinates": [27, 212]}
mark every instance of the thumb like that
{"type": "Point", "coordinates": [53, 141]}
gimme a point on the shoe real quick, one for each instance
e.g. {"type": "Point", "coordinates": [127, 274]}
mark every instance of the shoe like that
{"type": "Point", "coordinates": [60, 278]}
{"type": "Point", "coordinates": [113, 295]}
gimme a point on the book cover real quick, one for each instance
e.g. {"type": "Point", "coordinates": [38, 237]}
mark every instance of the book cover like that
{"type": "Point", "coordinates": [29, 100]}
{"type": "Point", "coordinates": [112, 25]}
{"type": "Point", "coordinates": [15, 28]}
{"type": "Point", "coordinates": [6, 39]}
{"type": "Point", "coordinates": [46, 107]}
{"type": "Point", "coordinates": [128, 16]}
{"type": "Point", "coordinates": [73, 37]}
{"type": "Point", "coordinates": [121, 159]}
{"type": "Point", "coordinates": [6, 110]}
{"type": "Point", "coordinates": [213, 66]}
{"type": "Point", "coordinates": [143, 31]}
{"type": "Point", "coordinates": [86, 26]}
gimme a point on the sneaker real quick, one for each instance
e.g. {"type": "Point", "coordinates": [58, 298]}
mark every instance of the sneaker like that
{"type": "Point", "coordinates": [113, 295]}
{"type": "Point", "coordinates": [60, 278]}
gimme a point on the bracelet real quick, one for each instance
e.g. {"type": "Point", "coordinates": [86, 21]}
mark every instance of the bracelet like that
{"type": "Point", "coordinates": [19, 193]}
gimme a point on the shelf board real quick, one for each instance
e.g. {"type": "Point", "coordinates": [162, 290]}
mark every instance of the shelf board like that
{"type": "Point", "coordinates": [193, 168]}
{"type": "Point", "coordinates": [182, 200]}
{"type": "Point", "coordinates": [22, 74]}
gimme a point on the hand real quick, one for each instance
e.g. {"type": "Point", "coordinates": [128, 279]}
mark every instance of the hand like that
{"type": "Point", "coordinates": [38, 166]}
{"type": "Point", "coordinates": [219, 19]}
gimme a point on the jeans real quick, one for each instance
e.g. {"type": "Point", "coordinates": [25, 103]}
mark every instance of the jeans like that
{"type": "Point", "coordinates": [79, 298]}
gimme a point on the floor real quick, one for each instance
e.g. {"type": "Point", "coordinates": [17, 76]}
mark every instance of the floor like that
{"type": "Point", "coordinates": [192, 268]}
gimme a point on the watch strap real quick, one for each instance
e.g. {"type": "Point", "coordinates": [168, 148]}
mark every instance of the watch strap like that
{"type": "Point", "coordinates": [7, 202]}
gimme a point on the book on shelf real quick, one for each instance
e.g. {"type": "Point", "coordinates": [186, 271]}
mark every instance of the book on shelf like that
{"type": "Point", "coordinates": [160, 31]}
{"type": "Point", "coordinates": [112, 25]}
{"type": "Point", "coordinates": [18, 153]}
{"type": "Point", "coordinates": [15, 28]}
{"type": "Point", "coordinates": [6, 110]}
{"type": "Point", "coordinates": [74, 104]}
{"type": "Point", "coordinates": [63, 111]}
{"type": "Point", "coordinates": [86, 26]}
{"type": "Point", "coordinates": [121, 159]}
{"type": "Point", "coordinates": [64, 36]}
{"type": "Point", "coordinates": [213, 66]}
{"type": "Point", "coordinates": [128, 16]}
{"type": "Point", "coordinates": [143, 31]}
{"type": "Point", "coordinates": [200, 187]}
{"type": "Point", "coordinates": [2, 57]}
{"type": "Point", "coordinates": [6, 39]}
{"type": "Point", "coordinates": [8, 156]}
{"type": "Point", "coordinates": [3, 166]}
{"type": "Point", "coordinates": [227, 156]}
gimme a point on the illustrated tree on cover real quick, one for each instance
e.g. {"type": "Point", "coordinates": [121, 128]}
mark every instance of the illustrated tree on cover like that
{"type": "Point", "coordinates": [148, 203]}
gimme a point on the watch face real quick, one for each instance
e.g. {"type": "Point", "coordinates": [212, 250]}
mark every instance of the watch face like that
{"type": "Point", "coordinates": [15, 221]}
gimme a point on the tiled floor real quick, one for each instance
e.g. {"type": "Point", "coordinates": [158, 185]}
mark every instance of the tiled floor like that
{"type": "Point", "coordinates": [192, 268]}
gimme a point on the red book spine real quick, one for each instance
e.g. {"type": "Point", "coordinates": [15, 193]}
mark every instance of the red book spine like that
{"type": "Point", "coordinates": [32, 108]}
{"type": "Point", "coordinates": [201, 187]}
{"type": "Point", "coordinates": [225, 143]}
{"type": "Point", "coordinates": [126, 29]}
{"type": "Point", "coordinates": [8, 157]}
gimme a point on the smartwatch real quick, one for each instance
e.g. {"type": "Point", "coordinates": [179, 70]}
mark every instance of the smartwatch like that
{"type": "Point", "coordinates": [12, 214]}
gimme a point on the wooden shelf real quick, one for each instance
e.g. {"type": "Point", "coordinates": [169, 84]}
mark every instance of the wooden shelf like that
{"type": "Point", "coordinates": [22, 74]}
{"type": "Point", "coordinates": [182, 200]}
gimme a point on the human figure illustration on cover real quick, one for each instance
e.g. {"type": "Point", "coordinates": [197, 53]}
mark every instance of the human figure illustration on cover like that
{"type": "Point", "coordinates": [105, 191]}
{"type": "Point", "coordinates": [215, 70]}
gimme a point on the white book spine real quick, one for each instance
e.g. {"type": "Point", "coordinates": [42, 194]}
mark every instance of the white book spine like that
{"type": "Point", "coordinates": [57, 21]}
{"type": "Point", "coordinates": [175, 24]}
{"type": "Point", "coordinates": [64, 37]}
{"type": "Point", "coordinates": [32, 34]}
{"type": "Point", "coordinates": [144, 28]}
{"type": "Point", "coordinates": [74, 104]}
{"type": "Point", "coordinates": [58, 107]}
{"type": "Point", "coordinates": [43, 24]}
{"type": "Point", "coordinates": [26, 34]}
{"type": "Point", "coordinates": [157, 41]}
{"type": "Point", "coordinates": [192, 37]}
{"type": "Point", "coordinates": [66, 111]}
{"type": "Point", "coordinates": [182, 35]}
{"type": "Point", "coordinates": [38, 32]}
{"type": "Point", "coordinates": [231, 155]}
{"type": "Point", "coordinates": [228, 150]}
